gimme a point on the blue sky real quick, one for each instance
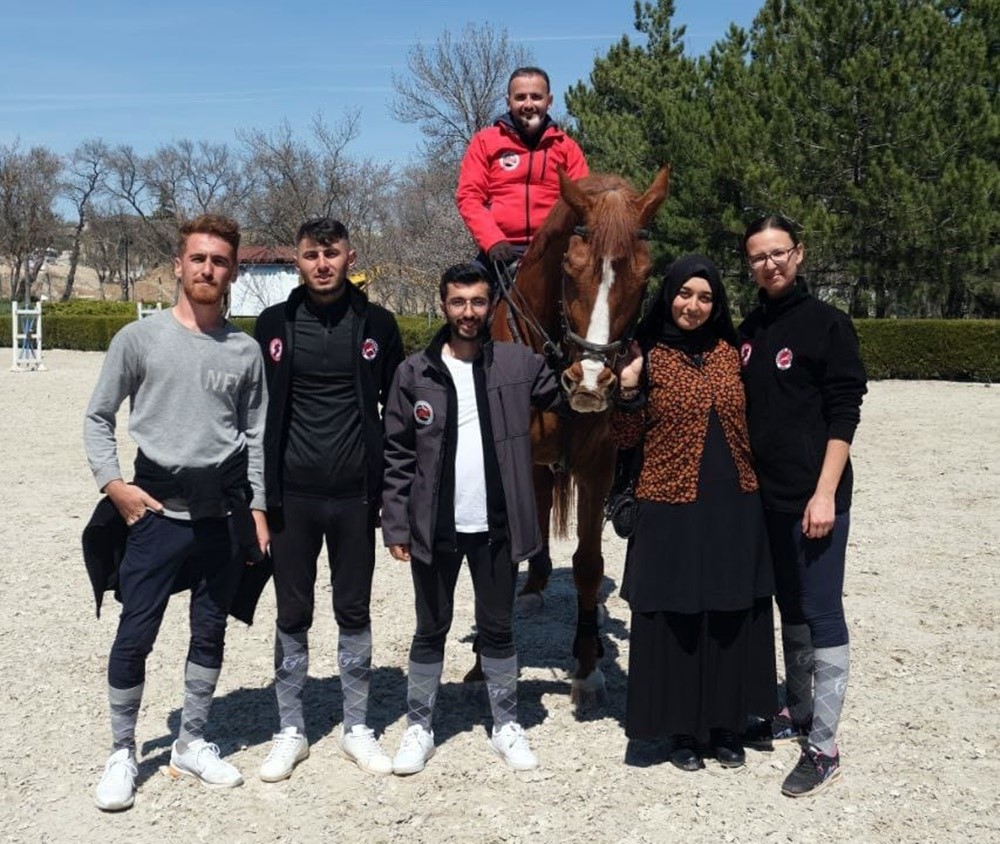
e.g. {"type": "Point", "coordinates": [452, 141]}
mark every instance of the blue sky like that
{"type": "Point", "coordinates": [149, 74]}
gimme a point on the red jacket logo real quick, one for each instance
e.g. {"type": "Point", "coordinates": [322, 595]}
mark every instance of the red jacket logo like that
{"type": "Point", "coordinates": [423, 413]}
{"type": "Point", "coordinates": [369, 349]}
{"type": "Point", "coordinates": [510, 160]}
{"type": "Point", "coordinates": [745, 351]}
{"type": "Point", "coordinates": [275, 348]}
{"type": "Point", "coordinates": [783, 360]}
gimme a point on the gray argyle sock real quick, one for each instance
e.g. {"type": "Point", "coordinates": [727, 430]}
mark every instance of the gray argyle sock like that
{"type": "Point", "coordinates": [291, 667]}
{"type": "Point", "coordinates": [796, 641]}
{"type": "Point", "coordinates": [422, 684]}
{"type": "Point", "coordinates": [199, 686]}
{"type": "Point", "coordinates": [124, 715]}
{"type": "Point", "coordinates": [354, 658]}
{"type": "Point", "coordinates": [833, 666]}
{"type": "Point", "coordinates": [501, 685]}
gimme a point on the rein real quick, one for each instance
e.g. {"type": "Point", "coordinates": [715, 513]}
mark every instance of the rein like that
{"type": "Point", "coordinates": [519, 309]}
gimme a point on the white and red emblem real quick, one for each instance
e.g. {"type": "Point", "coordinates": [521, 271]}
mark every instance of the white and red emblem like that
{"type": "Point", "coordinates": [369, 349]}
{"type": "Point", "coordinates": [745, 351]}
{"type": "Point", "coordinates": [423, 412]}
{"type": "Point", "coordinates": [275, 348]}
{"type": "Point", "coordinates": [783, 360]}
{"type": "Point", "coordinates": [510, 160]}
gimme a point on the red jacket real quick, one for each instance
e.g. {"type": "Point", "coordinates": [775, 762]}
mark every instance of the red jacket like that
{"type": "Point", "coordinates": [505, 190]}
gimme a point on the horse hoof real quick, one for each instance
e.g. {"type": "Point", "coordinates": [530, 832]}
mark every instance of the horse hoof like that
{"type": "Point", "coordinates": [529, 603]}
{"type": "Point", "coordinates": [588, 692]}
{"type": "Point", "coordinates": [474, 674]}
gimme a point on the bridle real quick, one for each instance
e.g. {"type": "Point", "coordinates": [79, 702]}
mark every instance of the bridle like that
{"type": "Point", "coordinates": [607, 354]}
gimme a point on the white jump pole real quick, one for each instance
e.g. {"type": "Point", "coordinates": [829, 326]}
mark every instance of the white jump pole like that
{"type": "Point", "coordinates": [26, 338]}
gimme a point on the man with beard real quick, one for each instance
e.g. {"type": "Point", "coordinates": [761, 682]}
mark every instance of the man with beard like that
{"type": "Point", "coordinates": [458, 485]}
{"type": "Point", "coordinates": [195, 387]}
{"type": "Point", "coordinates": [508, 180]}
{"type": "Point", "coordinates": [329, 357]}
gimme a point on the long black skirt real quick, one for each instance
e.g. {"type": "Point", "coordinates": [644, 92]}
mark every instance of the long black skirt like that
{"type": "Point", "coordinates": [691, 672]}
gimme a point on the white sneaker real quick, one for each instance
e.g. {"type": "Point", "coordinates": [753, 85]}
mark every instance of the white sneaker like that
{"type": "Point", "coordinates": [200, 760]}
{"type": "Point", "coordinates": [116, 790]}
{"type": "Point", "coordinates": [360, 746]}
{"type": "Point", "coordinates": [415, 748]}
{"type": "Point", "coordinates": [511, 744]}
{"type": "Point", "coordinates": [289, 748]}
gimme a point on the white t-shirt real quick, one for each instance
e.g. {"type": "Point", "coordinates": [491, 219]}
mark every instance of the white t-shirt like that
{"type": "Point", "coordinates": [470, 472]}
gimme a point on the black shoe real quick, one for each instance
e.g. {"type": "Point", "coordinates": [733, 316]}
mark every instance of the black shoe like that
{"type": "Point", "coordinates": [814, 772]}
{"type": "Point", "coordinates": [757, 735]}
{"type": "Point", "coordinates": [684, 755]}
{"type": "Point", "coordinates": [784, 729]}
{"type": "Point", "coordinates": [727, 749]}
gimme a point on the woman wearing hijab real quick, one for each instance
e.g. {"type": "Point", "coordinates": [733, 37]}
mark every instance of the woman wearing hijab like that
{"type": "Point", "coordinates": [698, 571]}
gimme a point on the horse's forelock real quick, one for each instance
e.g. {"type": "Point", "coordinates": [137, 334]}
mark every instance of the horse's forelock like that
{"type": "Point", "coordinates": [614, 234]}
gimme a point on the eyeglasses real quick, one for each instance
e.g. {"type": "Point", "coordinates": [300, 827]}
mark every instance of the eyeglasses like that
{"type": "Point", "coordinates": [460, 304]}
{"type": "Point", "coordinates": [778, 256]}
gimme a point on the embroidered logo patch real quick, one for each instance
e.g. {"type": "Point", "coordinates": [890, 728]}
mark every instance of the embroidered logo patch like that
{"type": "Point", "coordinates": [423, 412]}
{"type": "Point", "coordinates": [275, 348]}
{"type": "Point", "coordinates": [783, 360]}
{"type": "Point", "coordinates": [745, 351]}
{"type": "Point", "coordinates": [510, 160]}
{"type": "Point", "coordinates": [369, 349]}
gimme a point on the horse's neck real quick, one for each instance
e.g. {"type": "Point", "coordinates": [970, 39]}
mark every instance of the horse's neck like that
{"type": "Point", "coordinates": [540, 283]}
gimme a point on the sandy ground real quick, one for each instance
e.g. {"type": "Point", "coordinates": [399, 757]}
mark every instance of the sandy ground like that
{"type": "Point", "coordinates": [919, 738]}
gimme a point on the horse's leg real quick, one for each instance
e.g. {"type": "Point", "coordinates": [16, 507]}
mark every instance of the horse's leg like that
{"type": "Point", "coordinates": [540, 565]}
{"type": "Point", "coordinates": [588, 573]}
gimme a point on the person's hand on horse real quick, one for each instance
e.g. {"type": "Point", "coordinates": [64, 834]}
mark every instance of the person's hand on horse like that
{"type": "Point", "coordinates": [631, 368]}
{"type": "Point", "coordinates": [502, 252]}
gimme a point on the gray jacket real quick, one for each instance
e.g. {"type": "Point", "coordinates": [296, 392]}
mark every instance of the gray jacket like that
{"type": "Point", "coordinates": [416, 428]}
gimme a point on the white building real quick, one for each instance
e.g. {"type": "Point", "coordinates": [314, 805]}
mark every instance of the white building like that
{"type": "Point", "coordinates": [267, 275]}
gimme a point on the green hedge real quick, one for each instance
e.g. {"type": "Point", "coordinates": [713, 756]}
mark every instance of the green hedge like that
{"type": "Point", "coordinates": [88, 326]}
{"type": "Point", "coordinates": [933, 349]}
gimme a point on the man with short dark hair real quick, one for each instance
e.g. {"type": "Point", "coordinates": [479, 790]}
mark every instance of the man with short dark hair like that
{"type": "Point", "coordinates": [329, 357]}
{"type": "Point", "coordinates": [508, 181]}
{"type": "Point", "coordinates": [197, 398]}
{"type": "Point", "coordinates": [458, 485]}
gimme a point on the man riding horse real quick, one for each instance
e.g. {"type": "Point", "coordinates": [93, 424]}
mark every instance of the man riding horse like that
{"type": "Point", "coordinates": [509, 182]}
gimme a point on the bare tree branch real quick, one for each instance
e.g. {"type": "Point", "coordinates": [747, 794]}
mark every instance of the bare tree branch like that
{"type": "Point", "coordinates": [456, 87]}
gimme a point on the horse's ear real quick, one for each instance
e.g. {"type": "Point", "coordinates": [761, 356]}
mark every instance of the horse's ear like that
{"type": "Point", "coordinates": [575, 198]}
{"type": "Point", "coordinates": [654, 196]}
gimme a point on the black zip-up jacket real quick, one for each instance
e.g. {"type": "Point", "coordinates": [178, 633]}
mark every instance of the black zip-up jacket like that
{"type": "Point", "coordinates": [804, 382]}
{"type": "Point", "coordinates": [420, 430]}
{"type": "Point", "coordinates": [379, 350]}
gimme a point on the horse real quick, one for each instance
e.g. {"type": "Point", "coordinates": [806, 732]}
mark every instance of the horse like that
{"type": "Point", "coordinates": [576, 299]}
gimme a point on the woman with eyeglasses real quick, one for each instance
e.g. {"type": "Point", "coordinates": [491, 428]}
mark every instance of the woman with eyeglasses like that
{"type": "Point", "coordinates": [804, 383]}
{"type": "Point", "coordinates": [697, 572]}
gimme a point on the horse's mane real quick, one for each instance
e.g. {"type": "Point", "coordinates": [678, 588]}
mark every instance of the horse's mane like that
{"type": "Point", "coordinates": [612, 232]}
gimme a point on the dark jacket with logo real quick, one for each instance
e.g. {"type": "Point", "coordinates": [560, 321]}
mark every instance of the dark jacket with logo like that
{"type": "Point", "coordinates": [420, 433]}
{"type": "Point", "coordinates": [804, 382]}
{"type": "Point", "coordinates": [379, 349]}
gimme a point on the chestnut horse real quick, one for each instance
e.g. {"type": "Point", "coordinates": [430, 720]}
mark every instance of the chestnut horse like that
{"type": "Point", "coordinates": [576, 299]}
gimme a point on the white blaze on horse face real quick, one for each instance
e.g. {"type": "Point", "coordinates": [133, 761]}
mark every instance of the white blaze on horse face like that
{"type": "Point", "coordinates": [600, 325]}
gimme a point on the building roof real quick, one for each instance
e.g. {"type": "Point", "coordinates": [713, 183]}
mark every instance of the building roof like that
{"type": "Point", "coordinates": [266, 255]}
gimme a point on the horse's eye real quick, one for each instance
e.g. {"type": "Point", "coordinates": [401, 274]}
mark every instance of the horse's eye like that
{"type": "Point", "coordinates": [581, 231]}
{"type": "Point", "coordinates": [643, 234]}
